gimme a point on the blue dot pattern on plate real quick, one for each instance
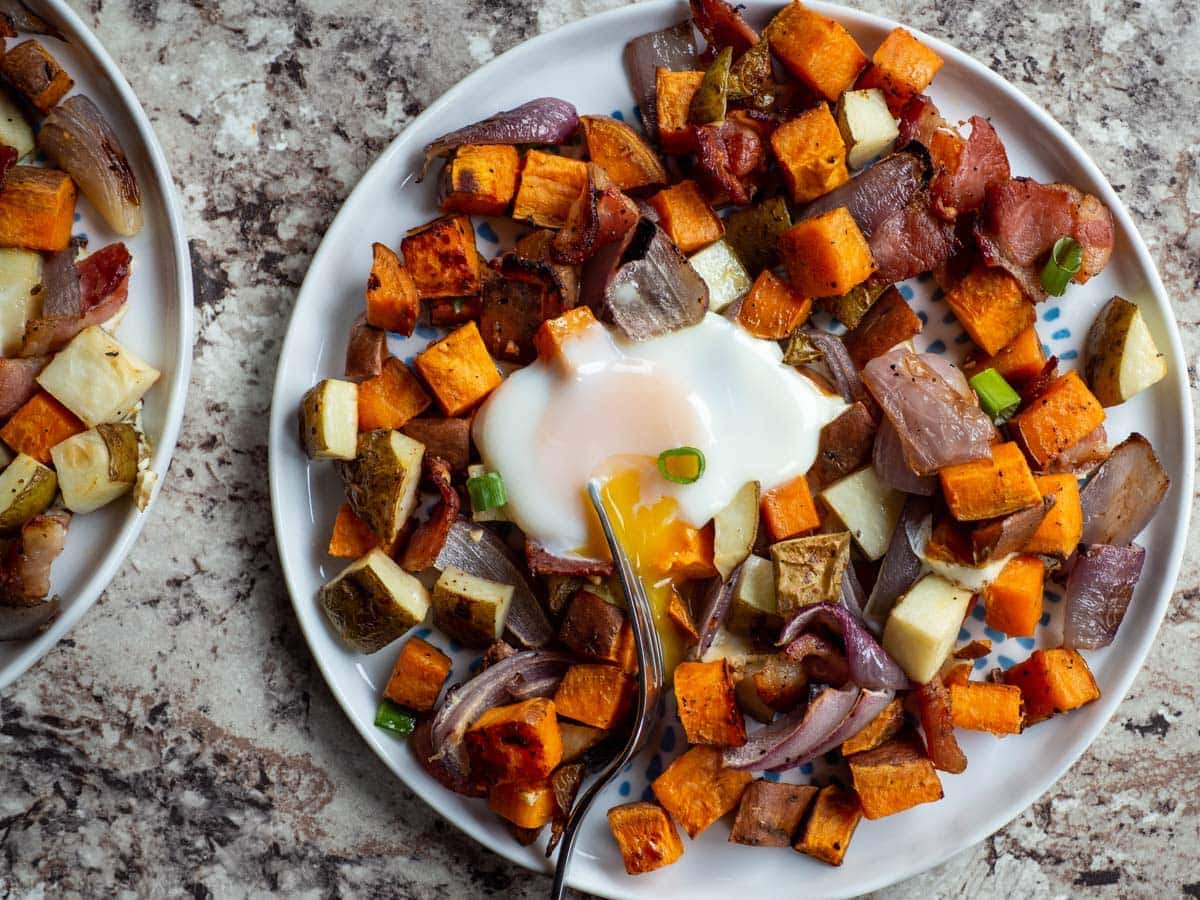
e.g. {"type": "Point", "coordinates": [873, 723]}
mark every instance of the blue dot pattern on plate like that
{"type": "Point", "coordinates": [1051, 314]}
{"type": "Point", "coordinates": [923, 316]}
{"type": "Point", "coordinates": [906, 292]}
{"type": "Point", "coordinates": [487, 232]}
{"type": "Point", "coordinates": [1006, 663]}
{"type": "Point", "coordinates": [938, 346]}
{"type": "Point", "coordinates": [668, 739]}
{"type": "Point", "coordinates": [1061, 335]}
{"type": "Point", "coordinates": [625, 789]}
{"type": "Point", "coordinates": [1069, 355]}
{"type": "Point", "coordinates": [618, 115]}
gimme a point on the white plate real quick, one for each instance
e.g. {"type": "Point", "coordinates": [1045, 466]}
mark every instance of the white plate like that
{"type": "Point", "coordinates": [157, 326]}
{"type": "Point", "coordinates": [582, 63]}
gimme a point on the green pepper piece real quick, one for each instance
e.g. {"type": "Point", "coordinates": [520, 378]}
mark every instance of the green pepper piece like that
{"type": "Point", "coordinates": [850, 307]}
{"type": "Point", "coordinates": [751, 75]}
{"type": "Point", "coordinates": [800, 350]}
{"type": "Point", "coordinates": [754, 233]}
{"type": "Point", "coordinates": [708, 103]}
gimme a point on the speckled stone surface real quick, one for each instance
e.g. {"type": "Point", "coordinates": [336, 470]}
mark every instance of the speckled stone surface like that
{"type": "Point", "coordinates": [181, 742]}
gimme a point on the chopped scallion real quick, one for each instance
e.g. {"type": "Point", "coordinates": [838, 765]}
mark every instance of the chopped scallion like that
{"type": "Point", "coordinates": [996, 396]}
{"type": "Point", "coordinates": [487, 491]}
{"type": "Point", "coordinates": [1065, 260]}
{"type": "Point", "coordinates": [395, 719]}
{"type": "Point", "coordinates": [689, 468]}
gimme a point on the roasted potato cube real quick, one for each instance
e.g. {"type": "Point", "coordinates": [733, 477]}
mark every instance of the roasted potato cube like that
{"type": "Point", "coordinates": [517, 742]}
{"type": "Point", "coordinates": [390, 399]}
{"type": "Point", "coordinates": [1121, 357]}
{"type": "Point", "coordinates": [815, 49]}
{"type": "Point", "coordinates": [826, 255]}
{"type": "Point", "coordinates": [372, 602]}
{"type": "Point", "coordinates": [735, 528]}
{"type": "Point", "coordinates": [392, 301]}
{"type": "Point", "coordinates": [868, 508]}
{"type": "Point", "coordinates": [329, 420]}
{"type": "Point", "coordinates": [867, 126]}
{"type": "Point", "coordinates": [754, 608]}
{"type": "Point", "coordinates": [646, 836]}
{"type": "Point", "coordinates": [20, 296]}
{"type": "Point", "coordinates": [597, 695]}
{"type": "Point", "coordinates": [26, 490]}
{"type": "Point", "coordinates": [726, 277]}
{"type": "Point", "coordinates": [781, 682]}
{"type": "Point", "coordinates": [770, 813]}
{"type": "Point", "coordinates": [442, 259]}
{"type": "Point", "coordinates": [592, 628]}
{"type": "Point", "coordinates": [550, 184]}
{"type": "Point", "coordinates": [697, 789]}
{"type": "Point", "coordinates": [382, 481]}
{"type": "Point", "coordinates": [96, 467]}
{"type": "Point", "coordinates": [809, 570]}
{"type": "Point", "coordinates": [481, 179]}
{"type": "Point", "coordinates": [471, 610]}
{"type": "Point", "coordinates": [37, 209]}
{"type": "Point", "coordinates": [708, 709]}
{"type": "Point", "coordinates": [96, 378]}
{"type": "Point", "coordinates": [35, 74]}
{"type": "Point", "coordinates": [923, 626]}
{"type": "Point", "coordinates": [826, 835]}
{"type": "Point", "coordinates": [418, 675]}
{"type": "Point", "coordinates": [894, 777]}
{"type": "Point", "coordinates": [459, 370]}
{"type": "Point", "coordinates": [627, 159]}
{"type": "Point", "coordinates": [811, 154]}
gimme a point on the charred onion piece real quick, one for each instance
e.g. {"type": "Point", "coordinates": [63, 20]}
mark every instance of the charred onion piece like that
{"type": "Point", "coordinates": [870, 665]}
{"type": "Point", "coordinates": [796, 737]}
{"type": "Point", "coordinates": [672, 48]}
{"type": "Point", "coordinates": [546, 120]}
{"type": "Point", "coordinates": [887, 457]}
{"type": "Point", "coordinates": [1122, 496]}
{"type": "Point", "coordinates": [1098, 594]}
{"type": "Point", "coordinates": [655, 291]}
{"type": "Point", "coordinates": [837, 359]}
{"type": "Point", "coordinates": [79, 139]}
{"type": "Point", "coordinates": [900, 567]}
{"type": "Point", "coordinates": [714, 605]}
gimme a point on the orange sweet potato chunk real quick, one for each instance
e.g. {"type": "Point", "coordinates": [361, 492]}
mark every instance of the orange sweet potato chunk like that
{"type": "Point", "coordinates": [893, 777]}
{"type": "Point", "coordinates": [1018, 361]}
{"type": "Point", "coordinates": [992, 487]}
{"type": "Point", "coordinates": [35, 74]}
{"type": "Point", "coordinates": [516, 742]}
{"type": "Point", "coordinates": [811, 154]}
{"type": "Point", "coordinates": [991, 307]}
{"type": "Point", "coordinates": [981, 706]}
{"type": "Point", "coordinates": [901, 68]}
{"type": "Point", "coordinates": [788, 510]}
{"type": "Point", "coordinates": [1013, 602]}
{"type": "Point", "coordinates": [697, 789]}
{"type": "Point", "coordinates": [1060, 531]}
{"type": "Point", "coordinates": [392, 301]}
{"type": "Point", "coordinates": [481, 179]}
{"type": "Point", "coordinates": [773, 310]}
{"type": "Point", "coordinates": [686, 217]}
{"type": "Point", "coordinates": [815, 49]}
{"type": "Point", "coordinates": [554, 333]}
{"type": "Point", "coordinates": [442, 259]}
{"type": "Point", "coordinates": [550, 184]}
{"type": "Point", "coordinates": [621, 152]}
{"type": "Point", "coordinates": [646, 836]}
{"type": "Point", "coordinates": [835, 814]}
{"type": "Point", "coordinates": [674, 91]}
{"type": "Point", "coordinates": [1053, 682]}
{"type": "Point", "coordinates": [882, 728]}
{"type": "Point", "coordinates": [1057, 420]}
{"type": "Point", "coordinates": [527, 804]}
{"type": "Point", "coordinates": [38, 425]}
{"type": "Point", "coordinates": [708, 708]}
{"type": "Point", "coordinates": [597, 695]}
{"type": "Point", "coordinates": [418, 675]}
{"type": "Point", "coordinates": [826, 255]}
{"type": "Point", "coordinates": [459, 370]}
{"type": "Point", "coordinates": [37, 209]}
{"type": "Point", "coordinates": [352, 538]}
{"type": "Point", "coordinates": [391, 398]}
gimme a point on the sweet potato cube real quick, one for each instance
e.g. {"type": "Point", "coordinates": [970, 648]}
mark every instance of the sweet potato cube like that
{"type": "Point", "coordinates": [37, 209]}
{"type": "Point", "coordinates": [1052, 682]}
{"type": "Point", "coordinates": [982, 706]}
{"type": "Point", "coordinates": [459, 370]}
{"type": "Point", "coordinates": [674, 91]}
{"type": "Point", "coordinates": [681, 617]}
{"type": "Point", "coordinates": [788, 510]}
{"type": "Point", "coordinates": [1013, 602]}
{"type": "Point", "coordinates": [882, 728]}
{"type": "Point", "coordinates": [773, 309]}
{"type": "Point", "coordinates": [1057, 420]}
{"type": "Point", "coordinates": [708, 708]}
{"type": "Point", "coordinates": [597, 695]}
{"type": "Point", "coordinates": [514, 308]}
{"type": "Point", "coordinates": [688, 554]}
{"type": "Point", "coordinates": [956, 674]}
{"type": "Point", "coordinates": [697, 789]}
{"type": "Point", "coordinates": [893, 777]}
{"type": "Point", "coordinates": [35, 74]}
{"type": "Point", "coordinates": [1018, 361]}
{"type": "Point", "coordinates": [1060, 531]}
{"type": "Point", "coordinates": [442, 259]}
{"type": "Point", "coordinates": [391, 398]}
{"type": "Point", "coordinates": [621, 152]}
{"type": "Point", "coordinates": [835, 814]}
{"type": "Point", "coordinates": [392, 301]}
{"type": "Point", "coordinates": [646, 836]}
{"type": "Point", "coordinates": [515, 742]}
{"type": "Point", "coordinates": [770, 813]}
{"type": "Point", "coordinates": [481, 179]}
{"type": "Point", "coordinates": [527, 804]}
{"type": "Point", "coordinates": [417, 678]}
{"type": "Point", "coordinates": [550, 184]}
{"type": "Point", "coordinates": [992, 487]}
{"type": "Point", "coordinates": [686, 217]}
{"type": "Point", "coordinates": [811, 154]}
{"type": "Point", "coordinates": [352, 538]}
{"type": "Point", "coordinates": [38, 425]}
{"type": "Point", "coordinates": [448, 439]}
{"type": "Point", "coordinates": [555, 333]}
{"type": "Point", "coordinates": [888, 322]}
{"type": "Point", "coordinates": [991, 307]}
{"type": "Point", "coordinates": [902, 67]}
{"type": "Point", "coordinates": [815, 49]}
{"type": "Point", "coordinates": [826, 255]}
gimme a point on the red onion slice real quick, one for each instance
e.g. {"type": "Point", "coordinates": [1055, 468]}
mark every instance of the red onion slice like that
{"type": "Point", "coordinates": [795, 738]}
{"type": "Point", "coordinates": [869, 705]}
{"type": "Point", "coordinates": [672, 48]}
{"type": "Point", "coordinates": [822, 661]}
{"type": "Point", "coordinates": [870, 665]}
{"type": "Point", "coordinates": [1098, 594]}
{"type": "Point", "coordinates": [655, 291]}
{"type": "Point", "coordinates": [1122, 496]}
{"type": "Point", "coordinates": [887, 457]}
{"type": "Point", "coordinates": [546, 120]}
{"type": "Point", "coordinates": [901, 566]}
{"type": "Point", "coordinates": [718, 595]}
{"type": "Point", "coordinates": [841, 366]}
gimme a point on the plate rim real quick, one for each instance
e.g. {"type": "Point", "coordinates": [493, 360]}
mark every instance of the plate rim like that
{"type": "Point", "coordinates": [279, 430]}
{"type": "Point", "coordinates": [163, 452]}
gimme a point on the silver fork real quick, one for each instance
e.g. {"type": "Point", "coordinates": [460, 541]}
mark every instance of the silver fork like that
{"type": "Point", "coordinates": [650, 685]}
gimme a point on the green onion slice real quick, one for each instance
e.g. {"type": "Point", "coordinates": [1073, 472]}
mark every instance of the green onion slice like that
{"type": "Point", "coordinates": [1065, 260]}
{"type": "Point", "coordinates": [487, 491]}
{"type": "Point", "coordinates": [395, 719]}
{"type": "Point", "coordinates": [996, 396]}
{"type": "Point", "coordinates": [672, 473]}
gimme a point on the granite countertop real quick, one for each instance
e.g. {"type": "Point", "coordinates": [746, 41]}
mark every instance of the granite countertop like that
{"type": "Point", "coordinates": [181, 741]}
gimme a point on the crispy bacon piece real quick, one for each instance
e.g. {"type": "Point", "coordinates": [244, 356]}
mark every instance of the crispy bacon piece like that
{"type": "Point", "coordinates": [965, 167]}
{"type": "Point", "coordinates": [8, 159]}
{"type": "Point", "coordinates": [723, 26]}
{"type": "Point", "coordinates": [18, 382]}
{"type": "Point", "coordinates": [543, 562]}
{"type": "Point", "coordinates": [933, 705]}
{"type": "Point", "coordinates": [430, 536]}
{"type": "Point", "coordinates": [25, 569]}
{"type": "Point", "coordinates": [102, 289]}
{"type": "Point", "coordinates": [731, 157]}
{"type": "Point", "coordinates": [911, 241]}
{"type": "Point", "coordinates": [919, 120]}
{"type": "Point", "coordinates": [601, 215]}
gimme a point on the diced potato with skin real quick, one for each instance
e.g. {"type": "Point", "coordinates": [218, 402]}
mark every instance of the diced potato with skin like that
{"type": "Point", "coordinates": [471, 610]}
{"type": "Point", "coordinates": [1122, 359]}
{"type": "Point", "coordinates": [696, 789]}
{"type": "Point", "coordinates": [26, 490]}
{"type": "Point", "coordinates": [329, 420]}
{"type": "Point", "coordinates": [593, 628]}
{"type": "Point", "coordinates": [754, 608]}
{"type": "Point", "coordinates": [867, 126]}
{"type": "Point", "coordinates": [809, 570]}
{"type": "Point", "coordinates": [459, 370]}
{"type": "Point", "coordinates": [826, 834]}
{"type": "Point", "coordinates": [726, 277]}
{"type": "Point", "coordinates": [735, 529]}
{"type": "Point", "coordinates": [96, 467]}
{"type": "Point", "coordinates": [811, 154]}
{"type": "Point", "coordinates": [97, 378]}
{"type": "Point", "coordinates": [515, 742]}
{"type": "Point", "coordinates": [14, 129]}
{"type": "Point", "coordinates": [922, 627]}
{"type": "Point", "coordinates": [646, 836]}
{"type": "Point", "coordinates": [20, 299]}
{"type": "Point", "coordinates": [382, 481]}
{"type": "Point", "coordinates": [868, 508]}
{"type": "Point", "coordinates": [372, 602]}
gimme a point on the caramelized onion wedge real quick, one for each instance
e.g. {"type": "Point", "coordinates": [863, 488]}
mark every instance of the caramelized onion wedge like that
{"type": "Point", "coordinates": [1098, 594]}
{"type": "Point", "coordinates": [672, 48]}
{"type": "Point", "coordinates": [870, 665]}
{"type": "Point", "coordinates": [20, 623]}
{"type": "Point", "coordinates": [1122, 496]}
{"type": "Point", "coordinates": [79, 139]}
{"type": "Point", "coordinates": [796, 737]}
{"type": "Point", "coordinates": [546, 120]}
{"type": "Point", "coordinates": [656, 291]}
